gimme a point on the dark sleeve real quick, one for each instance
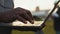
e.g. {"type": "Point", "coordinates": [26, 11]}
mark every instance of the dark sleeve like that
{"type": "Point", "coordinates": [6, 5]}
{"type": "Point", "coordinates": [9, 3]}
{"type": "Point", "coordinates": [58, 11]}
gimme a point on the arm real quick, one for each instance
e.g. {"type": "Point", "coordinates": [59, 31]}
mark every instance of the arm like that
{"type": "Point", "coordinates": [20, 14]}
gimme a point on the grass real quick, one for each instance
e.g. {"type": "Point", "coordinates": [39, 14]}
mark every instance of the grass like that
{"type": "Point", "coordinates": [48, 29]}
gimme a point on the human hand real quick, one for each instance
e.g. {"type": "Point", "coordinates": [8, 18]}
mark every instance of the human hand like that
{"type": "Point", "coordinates": [23, 15]}
{"type": "Point", "coordinates": [20, 14]}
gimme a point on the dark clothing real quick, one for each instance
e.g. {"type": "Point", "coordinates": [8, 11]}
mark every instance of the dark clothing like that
{"type": "Point", "coordinates": [57, 21]}
{"type": "Point", "coordinates": [57, 24]}
{"type": "Point", "coordinates": [9, 4]}
{"type": "Point", "coordinates": [5, 30]}
{"type": "Point", "coordinates": [6, 3]}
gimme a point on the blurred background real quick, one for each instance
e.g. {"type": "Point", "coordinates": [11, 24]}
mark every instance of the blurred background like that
{"type": "Point", "coordinates": [39, 9]}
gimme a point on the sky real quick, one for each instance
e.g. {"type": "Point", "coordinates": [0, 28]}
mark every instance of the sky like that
{"type": "Point", "coordinates": [31, 4]}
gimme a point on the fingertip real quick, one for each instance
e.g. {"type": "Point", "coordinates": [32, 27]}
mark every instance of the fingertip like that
{"type": "Point", "coordinates": [32, 21]}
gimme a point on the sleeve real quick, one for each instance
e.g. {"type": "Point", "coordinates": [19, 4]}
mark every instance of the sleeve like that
{"type": "Point", "coordinates": [6, 3]}
{"type": "Point", "coordinates": [9, 3]}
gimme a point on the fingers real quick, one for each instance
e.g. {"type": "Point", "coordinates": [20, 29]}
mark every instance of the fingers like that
{"type": "Point", "coordinates": [25, 14]}
{"type": "Point", "coordinates": [30, 18]}
{"type": "Point", "coordinates": [29, 13]}
{"type": "Point", "coordinates": [27, 17]}
{"type": "Point", "coordinates": [21, 19]}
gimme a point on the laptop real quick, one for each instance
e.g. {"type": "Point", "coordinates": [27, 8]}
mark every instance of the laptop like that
{"type": "Point", "coordinates": [39, 23]}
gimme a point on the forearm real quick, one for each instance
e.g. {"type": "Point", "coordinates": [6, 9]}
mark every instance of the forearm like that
{"type": "Point", "coordinates": [7, 16]}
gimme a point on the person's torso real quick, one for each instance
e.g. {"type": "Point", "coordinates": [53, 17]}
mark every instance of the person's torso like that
{"type": "Point", "coordinates": [6, 5]}
{"type": "Point", "coordinates": [57, 21]}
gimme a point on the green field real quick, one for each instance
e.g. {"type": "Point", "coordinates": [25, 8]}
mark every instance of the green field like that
{"type": "Point", "coordinates": [48, 29]}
